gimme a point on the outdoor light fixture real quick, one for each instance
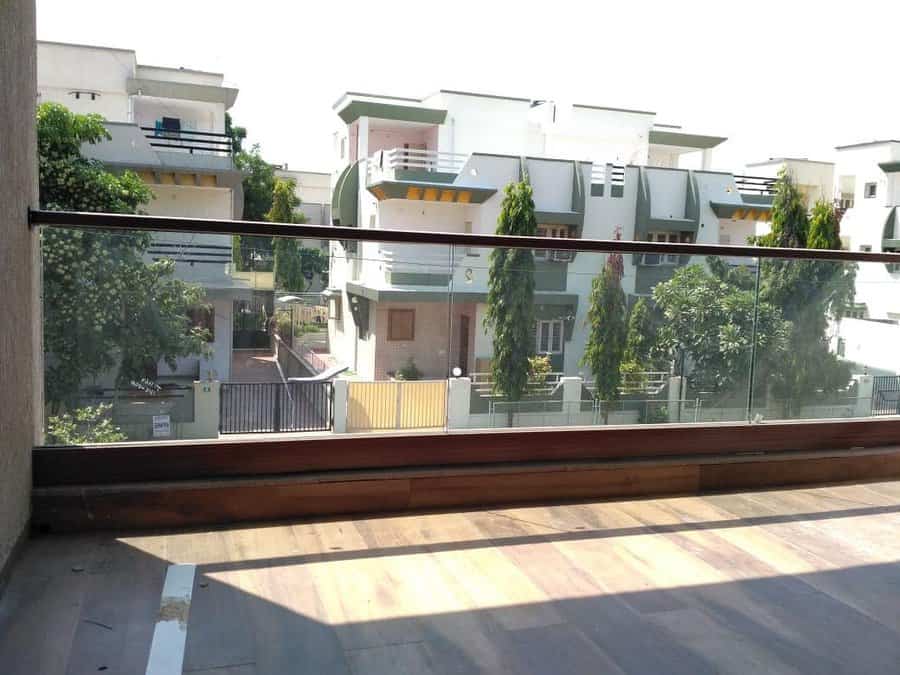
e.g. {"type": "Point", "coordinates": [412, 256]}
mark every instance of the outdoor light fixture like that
{"type": "Point", "coordinates": [457, 371]}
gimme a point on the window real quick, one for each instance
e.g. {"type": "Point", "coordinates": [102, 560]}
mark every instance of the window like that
{"type": "Point", "coordinates": [666, 238]}
{"type": "Point", "coordinates": [550, 337]}
{"type": "Point", "coordinates": [401, 324]}
{"type": "Point", "coordinates": [865, 248]}
{"type": "Point", "coordinates": [870, 190]}
{"type": "Point", "coordinates": [204, 317]}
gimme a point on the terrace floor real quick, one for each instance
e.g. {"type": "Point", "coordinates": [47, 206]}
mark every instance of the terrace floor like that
{"type": "Point", "coordinates": [803, 580]}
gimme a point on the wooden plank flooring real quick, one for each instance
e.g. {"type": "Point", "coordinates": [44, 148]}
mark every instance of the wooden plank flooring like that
{"type": "Point", "coordinates": [787, 581]}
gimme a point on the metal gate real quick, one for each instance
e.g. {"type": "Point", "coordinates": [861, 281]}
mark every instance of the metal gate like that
{"type": "Point", "coordinates": [886, 395]}
{"type": "Point", "coordinates": [265, 407]}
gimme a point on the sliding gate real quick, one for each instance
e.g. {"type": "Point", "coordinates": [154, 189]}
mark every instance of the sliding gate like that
{"type": "Point", "coordinates": [265, 407]}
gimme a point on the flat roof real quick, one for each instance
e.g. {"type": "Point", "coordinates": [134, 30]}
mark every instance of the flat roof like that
{"type": "Point", "coordinates": [458, 92]}
{"type": "Point", "coordinates": [865, 143]}
{"type": "Point", "coordinates": [84, 46]}
{"type": "Point", "coordinates": [80, 45]}
{"type": "Point", "coordinates": [779, 160]}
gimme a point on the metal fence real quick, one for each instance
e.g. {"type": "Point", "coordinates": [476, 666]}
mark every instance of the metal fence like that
{"type": "Point", "coordinates": [886, 395]}
{"type": "Point", "coordinates": [264, 407]}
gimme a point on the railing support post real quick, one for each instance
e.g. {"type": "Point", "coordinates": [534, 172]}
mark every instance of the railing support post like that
{"type": "Point", "coordinates": [276, 422]}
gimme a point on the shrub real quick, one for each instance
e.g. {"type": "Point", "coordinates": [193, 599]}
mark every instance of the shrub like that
{"type": "Point", "coordinates": [409, 371]}
{"type": "Point", "coordinates": [90, 424]}
{"type": "Point", "coordinates": [538, 369]}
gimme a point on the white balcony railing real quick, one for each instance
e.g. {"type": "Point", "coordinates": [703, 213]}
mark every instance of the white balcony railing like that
{"type": "Point", "coordinates": [414, 258]}
{"type": "Point", "coordinates": [600, 173]}
{"type": "Point", "coordinates": [385, 163]}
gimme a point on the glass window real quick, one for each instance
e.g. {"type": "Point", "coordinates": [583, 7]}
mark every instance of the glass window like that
{"type": "Point", "coordinates": [549, 337]}
{"type": "Point", "coordinates": [871, 190]}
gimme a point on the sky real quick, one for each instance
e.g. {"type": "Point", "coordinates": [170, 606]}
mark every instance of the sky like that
{"type": "Point", "coordinates": [791, 78]}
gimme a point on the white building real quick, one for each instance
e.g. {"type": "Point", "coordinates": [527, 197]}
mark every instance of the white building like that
{"type": "Point", "coordinates": [313, 188]}
{"type": "Point", "coordinates": [864, 184]}
{"type": "Point", "coordinates": [441, 163]}
{"type": "Point", "coordinates": [167, 125]}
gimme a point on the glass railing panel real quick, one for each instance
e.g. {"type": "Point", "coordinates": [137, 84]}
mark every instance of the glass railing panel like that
{"type": "Point", "coordinates": [547, 338]}
{"type": "Point", "coordinates": [173, 336]}
{"type": "Point", "coordinates": [835, 359]}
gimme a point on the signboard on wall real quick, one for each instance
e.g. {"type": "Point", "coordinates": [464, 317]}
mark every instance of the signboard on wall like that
{"type": "Point", "coordinates": [162, 426]}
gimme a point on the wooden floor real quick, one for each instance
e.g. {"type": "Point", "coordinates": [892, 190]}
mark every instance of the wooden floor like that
{"type": "Point", "coordinates": [785, 581]}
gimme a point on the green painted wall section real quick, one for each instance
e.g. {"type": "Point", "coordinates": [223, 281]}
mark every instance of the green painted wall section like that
{"type": "Point", "coordinates": [550, 276]}
{"type": "Point", "coordinates": [424, 176]}
{"type": "Point", "coordinates": [345, 199]}
{"type": "Point", "coordinates": [647, 276]}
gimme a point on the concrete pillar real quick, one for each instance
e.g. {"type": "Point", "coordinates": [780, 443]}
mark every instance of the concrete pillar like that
{"type": "Point", "coordinates": [706, 159]}
{"type": "Point", "coordinates": [206, 410]}
{"type": "Point", "coordinates": [571, 388]}
{"type": "Point", "coordinates": [676, 391]}
{"type": "Point", "coordinates": [458, 402]}
{"type": "Point", "coordinates": [864, 393]}
{"type": "Point", "coordinates": [341, 391]}
{"type": "Point", "coordinates": [21, 402]}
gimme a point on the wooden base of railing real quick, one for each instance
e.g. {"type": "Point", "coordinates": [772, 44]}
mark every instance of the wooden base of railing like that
{"type": "Point", "coordinates": [296, 496]}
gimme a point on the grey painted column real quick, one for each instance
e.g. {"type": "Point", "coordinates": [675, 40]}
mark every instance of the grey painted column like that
{"type": "Point", "coordinates": [20, 339]}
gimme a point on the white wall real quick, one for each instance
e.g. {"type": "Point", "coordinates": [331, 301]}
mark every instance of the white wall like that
{"type": "Point", "coordinates": [871, 344]}
{"type": "Point", "coordinates": [194, 115]}
{"type": "Point", "coordinates": [815, 179]}
{"type": "Point", "coordinates": [64, 68]}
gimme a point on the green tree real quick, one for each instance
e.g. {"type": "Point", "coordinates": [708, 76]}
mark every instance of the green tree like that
{"type": "Point", "coordinates": [238, 134]}
{"type": "Point", "coordinates": [90, 424]}
{"type": "Point", "coordinates": [809, 293]}
{"type": "Point", "coordinates": [641, 337]}
{"type": "Point", "coordinates": [105, 307]}
{"type": "Point", "coordinates": [710, 321]}
{"type": "Point", "coordinates": [606, 322]}
{"type": "Point", "coordinates": [259, 188]}
{"type": "Point", "coordinates": [790, 222]}
{"type": "Point", "coordinates": [510, 301]}
{"type": "Point", "coordinates": [824, 227]}
{"type": "Point", "coordinates": [287, 265]}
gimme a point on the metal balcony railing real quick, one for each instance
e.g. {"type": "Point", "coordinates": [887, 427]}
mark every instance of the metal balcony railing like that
{"type": "Point", "coordinates": [755, 185]}
{"type": "Point", "coordinates": [207, 142]}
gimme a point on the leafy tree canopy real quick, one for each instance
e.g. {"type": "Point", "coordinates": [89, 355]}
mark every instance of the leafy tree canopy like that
{"type": "Point", "coordinates": [510, 301]}
{"type": "Point", "coordinates": [606, 320]}
{"type": "Point", "coordinates": [711, 322]}
{"type": "Point", "coordinates": [105, 306]}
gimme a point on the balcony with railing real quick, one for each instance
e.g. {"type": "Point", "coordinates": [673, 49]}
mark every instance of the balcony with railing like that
{"type": "Point", "coordinates": [165, 150]}
{"type": "Point", "coordinates": [745, 198]}
{"type": "Point", "coordinates": [427, 175]}
{"type": "Point", "coordinates": [607, 179]}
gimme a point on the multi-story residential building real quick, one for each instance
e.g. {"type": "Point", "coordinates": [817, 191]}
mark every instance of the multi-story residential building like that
{"type": "Point", "coordinates": [864, 184]}
{"type": "Point", "coordinates": [441, 163]}
{"type": "Point", "coordinates": [167, 125]}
